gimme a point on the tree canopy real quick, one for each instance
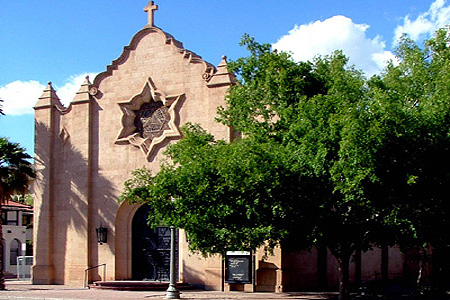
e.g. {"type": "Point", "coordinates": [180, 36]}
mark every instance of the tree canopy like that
{"type": "Point", "coordinates": [16, 171]}
{"type": "Point", "coordinates": [237, 212]}
{"type": "Point", "coordinates": [327, 157]}
{"type": "Point", "coordinates": [413, 108]}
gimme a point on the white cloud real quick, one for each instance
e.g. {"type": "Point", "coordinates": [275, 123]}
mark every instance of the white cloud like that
{"type": "Point", "coordinates": [67, 92]}
{"type": "Point", "coordinates": [21, 96]}
{"type": "Point", "coordinates": [336, 33]}
{"type": "Point", "coordinates": [437, 16]}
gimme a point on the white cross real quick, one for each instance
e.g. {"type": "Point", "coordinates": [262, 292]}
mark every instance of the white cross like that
{"type": "Point", "coordinates": [150, 9]}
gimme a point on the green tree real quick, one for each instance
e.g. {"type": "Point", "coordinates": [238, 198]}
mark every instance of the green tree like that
{"type": "Point", "coordinates": [331, 136]}
{"type": "Point", "coordinates": [1, 107]}
{"type": "Point", "coordinates": [16, 172]}
{"type": "Point", "coordinates": [297, 178]}
{"type": "Point", "coordinates": [332, 140]}
{"type": "Point", "coordinates": [270, 89]}
{"type": "Point", "coordinates": [413, 106]}
{"type": "Point", "coordinates": [23, 198]}
{"type": "Point", "coordinates": [238, 210]}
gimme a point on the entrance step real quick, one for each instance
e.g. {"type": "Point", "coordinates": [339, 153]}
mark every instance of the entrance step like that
{"type": "Point", "coordinates": [128, 285]}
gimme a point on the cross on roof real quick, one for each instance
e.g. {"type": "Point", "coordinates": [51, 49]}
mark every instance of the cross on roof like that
{"type": "Point", "coordinates": [150, 10]}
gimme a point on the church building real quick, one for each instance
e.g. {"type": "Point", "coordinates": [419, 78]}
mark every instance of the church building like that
{"type": "Point", "coordinates": [122, 120]}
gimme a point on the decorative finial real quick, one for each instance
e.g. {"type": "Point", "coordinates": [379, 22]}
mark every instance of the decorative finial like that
{"type": "Point", "coordinates": [223, 62]}
{"type": "Point", "coordinates": [150, 10]}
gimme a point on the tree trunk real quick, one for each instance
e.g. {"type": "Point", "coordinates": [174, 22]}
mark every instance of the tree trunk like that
{"type": "Point", "coordinates": [344, 277]}
{"type": "Point", "coordinates": [2, 275]}
{"type": "Point", "coordinates": [343, 253]}
{"type": "Point", "coordinates": [423, 261]}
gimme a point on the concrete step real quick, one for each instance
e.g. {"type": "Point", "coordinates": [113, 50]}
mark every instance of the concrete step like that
{"type": "Point", "coordinates": [131, 285]}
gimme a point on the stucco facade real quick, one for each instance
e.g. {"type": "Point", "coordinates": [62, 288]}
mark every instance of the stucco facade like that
{"type": "Point", "coordinates": [85, 152]}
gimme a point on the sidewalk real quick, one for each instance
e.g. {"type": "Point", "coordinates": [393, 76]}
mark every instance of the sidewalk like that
{"type": "Point", "coordinates": [23, 290]}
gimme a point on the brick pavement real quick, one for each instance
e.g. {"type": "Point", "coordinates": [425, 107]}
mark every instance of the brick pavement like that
{"type": "Point", "coordinates": [23, 290]}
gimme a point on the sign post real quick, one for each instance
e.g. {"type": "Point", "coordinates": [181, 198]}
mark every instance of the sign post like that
{"type": "Point", "coordinates": [172, 291]}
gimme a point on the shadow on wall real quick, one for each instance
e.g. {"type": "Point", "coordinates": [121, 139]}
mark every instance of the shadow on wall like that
{"type": "Point", "coordinates": [195, 277]}
{"type": "Point", "coordinates": [266, 277]}
{"type": "Point", "coordinates": [72, 220]}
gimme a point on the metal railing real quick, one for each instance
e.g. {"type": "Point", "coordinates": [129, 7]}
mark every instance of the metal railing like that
{"type": "Point", "coordinates": [24, 264]}
{"type": "Point", "coordinates": [91, 268]}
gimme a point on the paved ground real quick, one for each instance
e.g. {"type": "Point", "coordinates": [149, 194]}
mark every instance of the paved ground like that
{"type": "Point", "coordinates": [23, 290]}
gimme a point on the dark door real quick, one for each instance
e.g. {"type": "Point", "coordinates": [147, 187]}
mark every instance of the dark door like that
{"type": "Point", "coordinates": [151, 249]}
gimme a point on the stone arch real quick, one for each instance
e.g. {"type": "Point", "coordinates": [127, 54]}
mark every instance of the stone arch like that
{"type": "Point", "coordinates": [150, 251]}
{"type": "Point", "coordinates": [124, 219]}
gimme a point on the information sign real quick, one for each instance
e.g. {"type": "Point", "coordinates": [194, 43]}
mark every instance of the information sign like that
{"type": "Point", "coordinates": [238, 267]}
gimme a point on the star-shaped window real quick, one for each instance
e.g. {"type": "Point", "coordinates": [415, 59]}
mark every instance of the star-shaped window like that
{"type": "Point", "coordinates": [149, 118]}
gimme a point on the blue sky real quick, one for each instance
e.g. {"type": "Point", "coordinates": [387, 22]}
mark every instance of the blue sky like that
{"type": "Point", "coordinates": [62, 41]}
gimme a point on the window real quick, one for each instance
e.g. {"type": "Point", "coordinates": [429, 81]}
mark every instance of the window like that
{"type": "Point", "coordinates": [27, 220]}
{"type": "Point", "coordinates": [12, 218]}
{"type": "Point", "coordinates": [29, 249]}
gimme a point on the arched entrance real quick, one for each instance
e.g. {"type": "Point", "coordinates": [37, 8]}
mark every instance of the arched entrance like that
{"type": "Point", "coordinates": [150, 248]}
{"type": "Point", "coordinates": [14, 251]}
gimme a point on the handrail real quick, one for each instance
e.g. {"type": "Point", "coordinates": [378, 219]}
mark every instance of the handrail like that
{"type": "Point", "coordinates": [94, 267]}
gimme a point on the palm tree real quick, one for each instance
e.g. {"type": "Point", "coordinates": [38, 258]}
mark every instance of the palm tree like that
{"type": "Point", "coordinates": [16, 173]}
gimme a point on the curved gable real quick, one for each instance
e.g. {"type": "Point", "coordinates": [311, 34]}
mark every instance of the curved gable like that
{"type": "Point", "coordinates": [163, 38]}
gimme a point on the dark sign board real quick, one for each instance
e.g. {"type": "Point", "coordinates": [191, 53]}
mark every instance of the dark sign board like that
{"type": "Point", "coordinates": [238, 268]}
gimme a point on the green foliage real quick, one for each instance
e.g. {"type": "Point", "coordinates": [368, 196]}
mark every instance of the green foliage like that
{"type": "Point", "coordinates": [16, 171]}
{"type": "Point", "coordinates": [413, 108]}
{"type": "Point", "coordinates": [270, 87]}
{"type": "Point", "coordinates": [327, 157]}
{"type": "Point", "coordinates": [320, 114]}
{"type": "Point", "coordinates": [236, 211]}
{"type": "Point", "coordinates": [294, 179]}
{"type": "Point", "coordinates": [23, 198]}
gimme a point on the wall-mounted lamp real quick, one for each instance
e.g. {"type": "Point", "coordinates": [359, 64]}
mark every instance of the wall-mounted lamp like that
{"type": "Point", "coordinates": [102, 234]}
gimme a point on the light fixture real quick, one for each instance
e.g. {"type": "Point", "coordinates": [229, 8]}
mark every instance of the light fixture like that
{"type": "Point", "coordinates": [102, 234]}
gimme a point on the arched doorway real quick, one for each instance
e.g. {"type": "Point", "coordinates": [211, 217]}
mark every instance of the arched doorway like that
{"type": "Point", "coordinates": [14, 251]}
{"type": "Point", "coordinates": [150, 248]}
